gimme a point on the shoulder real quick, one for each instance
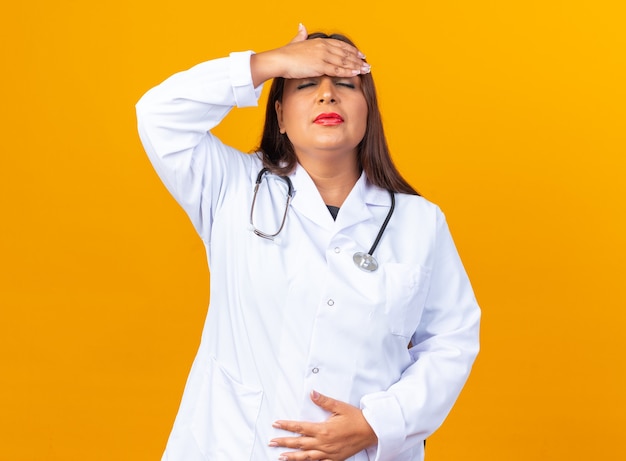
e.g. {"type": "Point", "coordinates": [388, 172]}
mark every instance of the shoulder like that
{"type": "Point", "coordinates": [409, 208]}
{"type": "Point", "coordinates": [416, 206]}
{"type": "Point", "coordinates": [418, 221]}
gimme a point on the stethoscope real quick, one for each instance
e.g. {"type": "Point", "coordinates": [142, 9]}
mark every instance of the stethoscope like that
{"type": "Point", "coordinates": [364, 261]}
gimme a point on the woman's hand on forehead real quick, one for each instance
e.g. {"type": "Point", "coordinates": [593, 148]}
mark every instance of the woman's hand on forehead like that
{"type": "Point", "coordinates": [302, 58]}
{"type": "Point", "coordinates": [322, 56]}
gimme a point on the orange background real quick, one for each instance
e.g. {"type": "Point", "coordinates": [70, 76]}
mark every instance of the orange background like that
{"type": "Point", "coordinates": [510, 115]}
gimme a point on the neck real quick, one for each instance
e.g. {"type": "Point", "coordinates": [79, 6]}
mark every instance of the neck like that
{"type": "Point", "coordinates": [334, 182]}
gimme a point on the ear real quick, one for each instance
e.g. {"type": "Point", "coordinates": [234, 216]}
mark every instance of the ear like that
{"type": "Point", "coordinates": [279, 116]}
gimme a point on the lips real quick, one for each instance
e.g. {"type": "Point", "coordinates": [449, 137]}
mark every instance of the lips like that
{"type": "Point", "coordinates": [330, 118]}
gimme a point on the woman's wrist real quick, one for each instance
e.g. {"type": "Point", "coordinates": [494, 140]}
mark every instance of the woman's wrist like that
{"type": "Point", "coordinates": [264, 66]}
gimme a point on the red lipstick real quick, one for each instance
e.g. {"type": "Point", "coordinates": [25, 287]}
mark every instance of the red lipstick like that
{"type": "Point", "coordinates": [328, 118]}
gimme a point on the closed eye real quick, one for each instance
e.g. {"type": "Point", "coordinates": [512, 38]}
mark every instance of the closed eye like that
{"type": "Point", "coordinates": [305, 85]}
{"type": "Point", "coordinates": [338, 82]}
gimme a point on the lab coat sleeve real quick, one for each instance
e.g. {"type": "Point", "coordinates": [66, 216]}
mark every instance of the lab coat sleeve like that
{"type": "Point", "coordinates": [174, 123]}
{"type": "Point", "coordinates": [444, 348]}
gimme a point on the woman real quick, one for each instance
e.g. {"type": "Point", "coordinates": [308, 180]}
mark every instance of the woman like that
{"type": "Point", "coordinates": [314, 348]}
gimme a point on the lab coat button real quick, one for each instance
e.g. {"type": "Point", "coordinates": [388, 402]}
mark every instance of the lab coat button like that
{"type": "Point", "coordinates": [337, 250]}
{"type": "Point", "coordinates": [315, 370]}
{"type": "Point", "coordinates": [330, 302]}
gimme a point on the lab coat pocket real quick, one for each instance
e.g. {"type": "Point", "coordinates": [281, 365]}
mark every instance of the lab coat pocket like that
{"type": "Point", "coordinates": [406, 289]}
{"type": "Point", "coordinates": [225, 415]}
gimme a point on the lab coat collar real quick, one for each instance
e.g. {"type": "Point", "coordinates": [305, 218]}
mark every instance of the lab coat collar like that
{"type": "Point", "coordinates": [355, 209]}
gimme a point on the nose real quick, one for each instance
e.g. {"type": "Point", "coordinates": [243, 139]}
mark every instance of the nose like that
{"type": "Point", "coordinates": [326, 91]}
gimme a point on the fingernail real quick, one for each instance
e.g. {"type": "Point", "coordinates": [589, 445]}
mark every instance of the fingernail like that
{"type": "Point", "coordinates": [366, 68]}
{"type": "Point", "coordinates": [315, 395]}
{"type": "Point", "coordinates": [361, 55]}
{"type": "Point", "coordinates": [356, 72]}
{"type": "Point", "coordinates": [283, 458]}
{"type": "Point", "coordinates": [277, 425]}
{"type": "Point", "coordinates": [272, 444]}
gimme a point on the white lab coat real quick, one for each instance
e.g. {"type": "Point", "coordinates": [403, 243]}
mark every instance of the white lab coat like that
{"type": "Point", "coordinates": [297, 315]}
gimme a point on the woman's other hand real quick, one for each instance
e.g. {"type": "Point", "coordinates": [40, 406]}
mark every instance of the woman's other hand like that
{"type": "Point", "coordinates": [302, 58]}
{"type": "Point", "coordinates": [345, 433]}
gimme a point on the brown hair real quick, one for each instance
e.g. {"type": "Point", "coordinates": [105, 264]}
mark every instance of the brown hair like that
{"type": "Point", "coordinates": [372, 152]}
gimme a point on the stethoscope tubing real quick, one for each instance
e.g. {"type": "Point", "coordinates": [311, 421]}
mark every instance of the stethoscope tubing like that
{"type": "Point", "coordinates": [385, 222]}
{"type": "Point", "coordinates": [365, 262]}
{"type": "Point", "coordinates": [257, 184]}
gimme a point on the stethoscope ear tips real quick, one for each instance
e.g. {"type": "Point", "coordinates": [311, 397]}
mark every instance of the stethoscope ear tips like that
{"type": "Point", "coordinates": [273, 239]}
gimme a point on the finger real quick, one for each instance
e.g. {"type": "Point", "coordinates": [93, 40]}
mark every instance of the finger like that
{"type": "Point", "coordinates": [345, 49]}
{"type": "Point", "coordinates": [310, 455]}
{"type": "Point", "coordinates": [301, 35]}
{"type": "Point", "coordinates": [297, 427]}
{"type": "Point", "coordinates": [342, 61]}
{"type": "Point", "coordinates": [297, 443]}
{"type": "Point", "coordinates": [325, 402]}
{"type": "Point", "coordinates": [340, 70]}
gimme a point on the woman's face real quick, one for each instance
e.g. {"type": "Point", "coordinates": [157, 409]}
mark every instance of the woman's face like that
{"type": "Point", "coordinates": [323, 117]}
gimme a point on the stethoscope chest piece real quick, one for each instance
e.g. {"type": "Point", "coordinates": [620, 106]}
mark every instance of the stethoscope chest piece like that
{"type": "Point", "coordinates": [365, 262]}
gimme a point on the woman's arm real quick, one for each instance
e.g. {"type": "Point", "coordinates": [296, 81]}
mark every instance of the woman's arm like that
{"type": "Point", "coordinates": [174, 123]}
{"type": "Point", "coordinates": [397, 419]}
{"type": "Point", "coordinates": [444, 348]}
{"type": "Point", "coordinates": [175, 117]}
